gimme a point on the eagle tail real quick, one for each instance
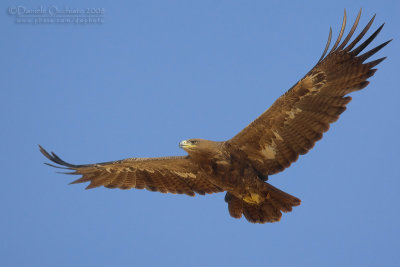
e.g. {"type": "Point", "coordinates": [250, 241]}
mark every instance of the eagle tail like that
{"type": "Point", "coordinates": [269, 210]}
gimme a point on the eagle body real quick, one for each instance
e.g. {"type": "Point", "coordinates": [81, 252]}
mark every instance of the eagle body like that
{"type": "Point", "coordinates": [241, 165]}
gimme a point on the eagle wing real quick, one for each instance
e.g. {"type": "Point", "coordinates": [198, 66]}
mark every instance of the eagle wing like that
{"type": "Point", "coordinates": [176, 175]}
{"type": "Point", "coordinates": [297, 119]}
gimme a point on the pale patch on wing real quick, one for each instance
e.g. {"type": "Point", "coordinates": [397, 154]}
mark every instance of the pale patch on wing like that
{"type": "Point", "coordinates": [316, 81]}
{"type": "Point", "coordinates": [185, 174]}
{"type": "Point", "coordinates": [292, 113]}
{"type": "Point", "coordinates": [277, 136]}
{"type": "Point", "coordinates": [315, 75]}
{"type": "Point", "coordinates": [268, 152]}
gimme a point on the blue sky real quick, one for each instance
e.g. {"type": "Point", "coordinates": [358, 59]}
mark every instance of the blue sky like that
{"type": "Point", "coordinates": [157, 72]}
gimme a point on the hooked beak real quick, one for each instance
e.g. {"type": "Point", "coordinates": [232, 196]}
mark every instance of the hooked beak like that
{"type": "Point", "coordinates": [185, 144]}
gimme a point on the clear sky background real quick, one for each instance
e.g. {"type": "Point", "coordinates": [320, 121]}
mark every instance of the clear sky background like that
{"type": "Point", "coordinates": [157, 72]}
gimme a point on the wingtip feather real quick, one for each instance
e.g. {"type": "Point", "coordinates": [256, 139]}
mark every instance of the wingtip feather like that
{"type": "Point", "coordinates": [371, 52]}
{"type": "Point", "coordinates": [340, 33]}
{"type": "Point", "coordinates": [351, 32]}
{"type": "Point", "coordinates": [327, 45]}
{"type": "Point", "coordinates": [360, 35]}
{"type": "Point", "coordinates": [361, 47]}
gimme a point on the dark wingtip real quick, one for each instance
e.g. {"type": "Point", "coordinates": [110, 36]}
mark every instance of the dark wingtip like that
{"type": "Point", "coordinates": [44, 152]}
{"type": "Point", "coordinates": [361, 34]}
{"type": "Point", "coordinates": [371, 52]}
{"type": "Point", "coordinates": [326, 46]}
{"type": "Point", "coordinates": [58, 167]}
{"type": "Point", "coordinates": [340, 33]}
{"type": "Point", "coordinates": [56, 159]}
{"type": "Point", "coordinates": [351, 32]}
{"type": "Point", "coordinates": [361, 47]}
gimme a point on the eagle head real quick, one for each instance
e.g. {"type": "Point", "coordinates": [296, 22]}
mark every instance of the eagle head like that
{"type": "Point", "coordinates": [195, 145]}
{"type": "Point", "coordinates": [189, 144]}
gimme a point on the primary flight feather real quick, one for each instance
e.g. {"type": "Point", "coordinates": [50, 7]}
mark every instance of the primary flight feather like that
{"type": "Point", "coordinates": [268, 145]}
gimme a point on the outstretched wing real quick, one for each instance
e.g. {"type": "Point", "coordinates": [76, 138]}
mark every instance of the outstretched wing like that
{"type": "Point", "coordinates": [292, 125]}
{"type": "Point", "coordinates": [176, 175]}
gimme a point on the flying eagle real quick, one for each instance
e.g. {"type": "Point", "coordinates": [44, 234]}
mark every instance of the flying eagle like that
{"type": "Point", "coordinates": [268, 145]}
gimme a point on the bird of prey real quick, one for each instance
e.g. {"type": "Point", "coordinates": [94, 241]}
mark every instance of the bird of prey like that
{"type": "Point", "coordinates": [241, 166]}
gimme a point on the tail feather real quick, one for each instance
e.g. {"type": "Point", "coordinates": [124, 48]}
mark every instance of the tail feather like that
{"type": "Point", "coordinates": [269, 210]}
{"type": "Point", "coordinates": [235, 205]}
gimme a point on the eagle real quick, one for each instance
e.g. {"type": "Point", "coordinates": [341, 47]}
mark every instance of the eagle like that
{"type": "Point", "coordinates": [272, 142]}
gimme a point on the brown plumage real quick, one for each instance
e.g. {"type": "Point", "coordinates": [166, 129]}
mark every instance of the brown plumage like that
{"type": "Point", "coordinates": [268, 145]}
